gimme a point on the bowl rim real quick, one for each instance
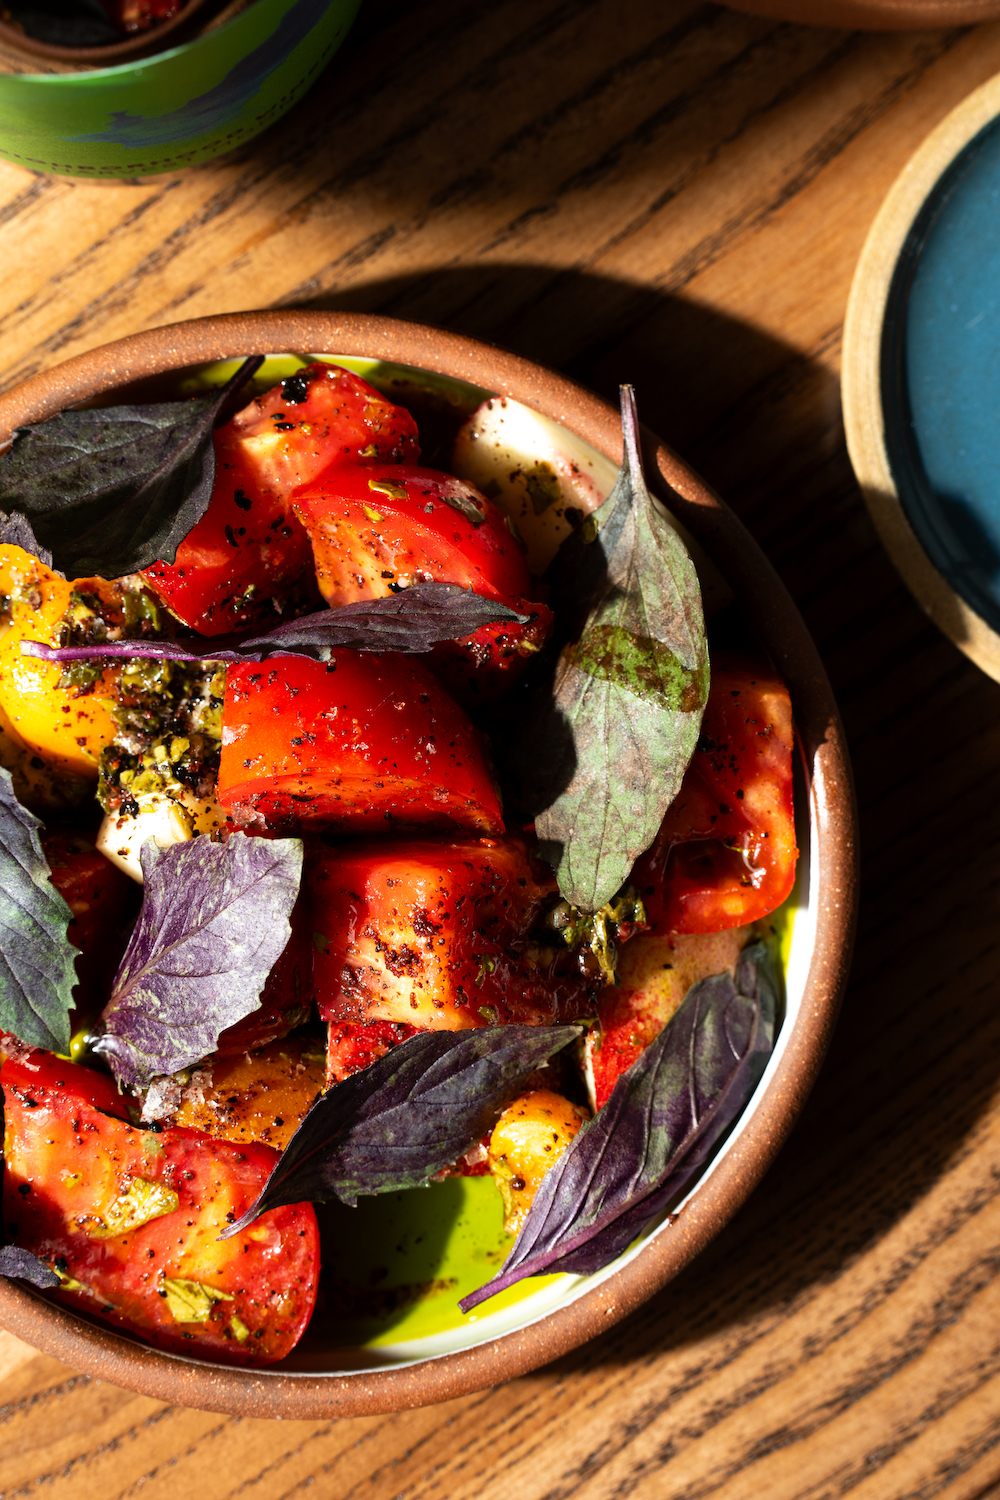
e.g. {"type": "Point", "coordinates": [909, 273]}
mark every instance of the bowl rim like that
{"type": "Point", "coordinates": [108, 1355]}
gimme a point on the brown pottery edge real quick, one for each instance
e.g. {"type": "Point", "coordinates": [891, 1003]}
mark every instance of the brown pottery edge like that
{"type": "Point", "coordinates": [107, 1355]}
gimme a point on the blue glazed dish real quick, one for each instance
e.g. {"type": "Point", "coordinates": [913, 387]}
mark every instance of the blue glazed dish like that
{"type": "Point", "coordinates": [940, 375]}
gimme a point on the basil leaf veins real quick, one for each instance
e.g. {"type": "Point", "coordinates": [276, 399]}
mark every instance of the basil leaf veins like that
{"type": "Point", "coordinates": [663, 1119]}
{"type": "Point", "coordinates": [37, 960]}
{"type": "Point", "coordinates": [111, 489]}
{"type": "Point", "coordinates": [408, 1115]}
{"type": "Point", "coordinates": [214, 921]}
{"type": "Point", "coordinates": [603, 752]}
{"type": "Point", "coordinates": [411, 621]}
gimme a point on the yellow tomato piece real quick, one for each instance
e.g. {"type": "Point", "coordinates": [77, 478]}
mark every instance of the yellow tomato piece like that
{"type": "Point", "coordinates": [65, 731]}
{"type": "Point", "coordinates": [529, 1138]}
{"type": "Point", "coordinates": [260, 1096]}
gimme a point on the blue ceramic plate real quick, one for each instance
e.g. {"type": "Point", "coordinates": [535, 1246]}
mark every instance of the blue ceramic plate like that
{"type": "Point", "coordinates": [921, 374]}
{"type": "Point", "coordinates": [941, 375]}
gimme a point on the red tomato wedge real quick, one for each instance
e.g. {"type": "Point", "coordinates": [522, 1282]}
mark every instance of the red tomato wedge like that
{"type": "Point", "coordinates": [130, 1219]}
{"type": "Point", "coordinates": [365, 741]}
{"type": "Point", "coordinates": [103, 901]}
{"type": "Point", "coordinates": [654, 975]}
{"type": "Point", "coordinates": [248, 547]}
{"type": "Point", "coordinates": [353, 1046]}
{"type": "Point", "coordinates": [436, 934]}
{"type": "Point", "coordinates": [725, 855]}
{"type": "Point", "coordinates": [377, 529]}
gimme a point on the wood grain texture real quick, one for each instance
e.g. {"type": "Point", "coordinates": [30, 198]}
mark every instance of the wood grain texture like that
{"type": "Point", "coordinates": [675, 194]}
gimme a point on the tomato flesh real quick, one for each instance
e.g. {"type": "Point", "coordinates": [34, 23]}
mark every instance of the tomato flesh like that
{"type": "Point", "coordinates": [654, 975]}
{"type": "Point", "coordinates": [378, 529]}
{"type": "Point", "coordinates": [248, 547]}
{"type": "Point", "coordinates": [725, 854]}
{"type": "Point", "coordinates": [364, 742]}
{"type": "Point", "coordinates": [436, 934]}
{"type": "Point", "coordinates": [353, 1046]}
{"type": "Point", "coordinates": [76, 1173]}
{"type": "Point", "coordinates": [102, 900]}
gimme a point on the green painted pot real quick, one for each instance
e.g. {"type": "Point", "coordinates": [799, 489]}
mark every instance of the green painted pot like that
{"type": "Point", "coordinates": [176, 108]}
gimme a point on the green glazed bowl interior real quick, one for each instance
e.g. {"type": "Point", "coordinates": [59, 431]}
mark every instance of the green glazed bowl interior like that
{"type": "Point", "coordinates": [430, 1247]}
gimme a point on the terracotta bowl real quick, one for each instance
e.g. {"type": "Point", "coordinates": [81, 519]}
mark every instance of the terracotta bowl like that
{"type": "Point", "coordinates": [547, 1324]}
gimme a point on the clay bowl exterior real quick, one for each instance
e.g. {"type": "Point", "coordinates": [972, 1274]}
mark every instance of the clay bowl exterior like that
{"type": "Point", "coordinates": [108, 1355]}
{"type": "Point", "coordinates": [875, 15]}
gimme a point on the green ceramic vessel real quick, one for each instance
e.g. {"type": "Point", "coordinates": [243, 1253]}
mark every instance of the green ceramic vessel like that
{"type": "Point", "coordinates": [176, 108]}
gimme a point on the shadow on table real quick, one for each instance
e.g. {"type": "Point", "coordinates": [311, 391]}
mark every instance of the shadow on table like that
{"type": "Point", "coordinates": [914, 1061]}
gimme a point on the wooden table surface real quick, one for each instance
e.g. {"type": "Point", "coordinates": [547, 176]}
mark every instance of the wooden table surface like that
{"type": "Point", "coordinates": [674, 194]}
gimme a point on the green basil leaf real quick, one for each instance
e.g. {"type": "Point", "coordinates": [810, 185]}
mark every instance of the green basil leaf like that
{"type": "Point", "coordinates": [112, 489]}
{"type": "Point", "coordinates": [605, 748]}
{"type": "Point", "coordinates": [37, 960]}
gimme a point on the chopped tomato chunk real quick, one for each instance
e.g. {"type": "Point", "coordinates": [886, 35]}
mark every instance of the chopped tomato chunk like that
{"type": "Point", "coordinates": [248, 547]}
{"type": "Point", "coordinates": [354, 1045]}
{"type": "Point", "coordinates": [130, 1219]}
{"type": "Point", "coordinates": [654, 975]}
{"type": "Point", "coordinates": [378, 529]}
{"type": "Point", "coordinates": [725, 854]}
{"type": "Point", "coordinates": [437, 934]}
{"type": "Point", "coordinates": [365, 741]}
{"type": "Point", "coordinates": [102, 900]}
{"type": "Point", "coordinates": [255, 1096]}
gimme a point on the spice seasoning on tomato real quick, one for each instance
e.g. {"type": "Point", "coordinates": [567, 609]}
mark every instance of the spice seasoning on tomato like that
{"type": "Point", "coordinates": [361, 742]}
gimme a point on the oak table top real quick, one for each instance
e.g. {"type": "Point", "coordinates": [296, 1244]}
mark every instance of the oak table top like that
{"type": "Point", "coordinates": [675, 194]}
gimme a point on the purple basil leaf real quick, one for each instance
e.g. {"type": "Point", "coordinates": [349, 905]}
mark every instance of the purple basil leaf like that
{"type": "Point", "coordinates": [406, 1116]}
{"type": "Point", "coordinates": [27, 1267]}
{"type": "Point", "coordinates": [15, 531]}
{"type": "Point", "coordinates": [112, 489]}
{"type": "Point", "coordinates": [664, 1117]}
{"type": "Point", "coordinates": [602, 751]}
{"type": "Point", "coordinates": [37, 961]}
{"type": "Point", "coordinates": [214, 922]}
{"type": "Point", "coordinates": [411, 621]}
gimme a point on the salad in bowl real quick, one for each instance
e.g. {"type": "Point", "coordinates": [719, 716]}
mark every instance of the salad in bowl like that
{"type": "Point", "coordinates": [403, 915]}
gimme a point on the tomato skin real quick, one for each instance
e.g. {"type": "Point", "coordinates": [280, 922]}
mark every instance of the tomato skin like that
{"type": "Point", "coordinates": [246, 549]}
{"type": "Point", "coordinates": [354, 1045]}
{"type": "Point", "coordinates": [248, 546]}
{"type": "Point", "coordinates": [725, 854]}
{"type": "Point", "coordinates": [654, 975]}
{"type": "Point", "coordinates": [70, 1158]}
{"type": "Point", "coordinates": [255, 1096]}
{"type": "Point", "coordinates": [377, 529]}
{"type": "Point", "coordinates": [436, 934]}
{"type": "Point", "coordinates": [102, 899]}
{"type": "Point", "coordinates": [365, 741]}
{"type": "Point", "coordinates": [65, 728]}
